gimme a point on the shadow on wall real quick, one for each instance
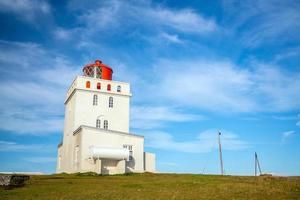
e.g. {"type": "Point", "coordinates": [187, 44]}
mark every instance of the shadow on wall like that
{"type": "Point", "coordinates": [108, 166]}
{"type": "Point", "coordinates": [130, 166]}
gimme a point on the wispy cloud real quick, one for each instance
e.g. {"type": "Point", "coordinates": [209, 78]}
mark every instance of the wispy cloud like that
{"type": "Point", "coordinates": [28, 10]}
{"type": "Point", "coordinates": [149, 117]}
{"type": "Point", "coordinates": [171, 38]}
{"type": "Point", "coordinates": [226, 87]}
{"type": "Point", "coordinates": [8, 146]}
{"type": "Point", "coordinates": [185, 20]}
{"type": "Point", "coordinates": [32, 99]}
{"type": "Point", "coordinates": [257, 24]}
{"type": "Point", "coordinates": [204, 142]}
{"type": "Point", "coordinates": [286, 135]}
{"type": "Point", "coordinates": [113, 17]}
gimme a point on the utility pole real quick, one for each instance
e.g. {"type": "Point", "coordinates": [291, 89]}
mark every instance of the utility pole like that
{"type": "Point", "coordinates": [256, 164]}
{"type": "Point", "coordinates": [255, 168]}
{"type": "Point", "coordinates": [220, 152]}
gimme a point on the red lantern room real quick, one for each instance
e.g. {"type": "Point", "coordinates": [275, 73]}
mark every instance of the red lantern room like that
{"type": "Point", "coordinates": [98, 70]}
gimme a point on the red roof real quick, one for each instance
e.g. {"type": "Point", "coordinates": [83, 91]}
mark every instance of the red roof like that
{"type": "Point", "coordinates": [98, 63]}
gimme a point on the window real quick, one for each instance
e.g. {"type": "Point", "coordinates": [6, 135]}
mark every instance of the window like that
{"type": "Point", "coordinates": [95, 100]}
{"type": "Point", "coordinates": [98, 72]}
{"type": "Point", "coordinates": [129, 147]}
{"type": "Point", "coordinates": [88, 84]}
{"type": "Point", "coordinates": [105, 124]}
{"type": "Point", "coordinates": [98, 86]}
{"type": "Point", "coordinates": [119, 88]}
{"type": "Point", "coordinates": [98, 123]}
{"type": "Point", "coordinates": [110, 102]}
{"type": "Point", "coordinates": [108, 87]}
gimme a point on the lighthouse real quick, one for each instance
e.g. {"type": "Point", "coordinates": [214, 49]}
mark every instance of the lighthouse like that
{"type": "Point", "coordinates": [96, 134]}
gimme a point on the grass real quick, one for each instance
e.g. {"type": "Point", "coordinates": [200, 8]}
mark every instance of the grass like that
{"type": "Point", "coordinates": [154, 186]}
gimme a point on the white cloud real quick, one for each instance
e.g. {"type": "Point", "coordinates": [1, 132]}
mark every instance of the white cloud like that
{"type": "Point", "coordinates": [26, 9]}
{"type": "Point", "coordinates": [30, 123]}
{"type": "Point", "coordinates": [115, 16]}
{"type": "Point", "coordinates": [205, 142]}
{"type": "Point", "coordinates": [8, 146]}
{"type": "Point", "coordinates": [63, 34]}
{"type": "Point", "coordinates": [256, 22]}
{"type": "Point", "coordinates": [223, 87]}
{"type": "Point", "coordinates": [286, 135]}
{"type": "Point", "coordinates": [149, 117]}
{"type": "Point", "coordinates": [171, 38]}
{"type": "Point", "coordinates": [184, 20]}
{"type": "Point", "coordinates": [32, 98]}
{"type": "Point", "coordinates": [106, 15]}
{"type": "Point", "coordinates": [287, 54]}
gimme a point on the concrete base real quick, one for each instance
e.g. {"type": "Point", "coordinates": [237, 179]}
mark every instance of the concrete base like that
{"type": "Point", "coordinates": [98, 166]}
{"type": "Point", "coordinates": [109, 166]}
{"type": "Point", "coordinates": [121, 166]}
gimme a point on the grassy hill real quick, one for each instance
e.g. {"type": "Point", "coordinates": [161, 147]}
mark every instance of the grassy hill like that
{"type": "Point", "coordinates": [155, 186]}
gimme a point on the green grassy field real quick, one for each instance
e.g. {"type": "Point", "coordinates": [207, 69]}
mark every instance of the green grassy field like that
{"type": "Point", "coordinates": [155, 186]}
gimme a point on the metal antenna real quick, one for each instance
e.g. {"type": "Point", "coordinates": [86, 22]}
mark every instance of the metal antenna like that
{"type": "Point", "coordinates": [257, 164]}
{"type": "Point", "coordinates": [220, 152]}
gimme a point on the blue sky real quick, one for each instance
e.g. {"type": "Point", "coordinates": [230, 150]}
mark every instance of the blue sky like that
{"type": "Point", "coordinates": [195, 67]}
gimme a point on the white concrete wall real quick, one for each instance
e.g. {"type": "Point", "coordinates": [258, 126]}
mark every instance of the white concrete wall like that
{"type": "Point", "coordinates": [66, 149]}
{"type": "Point", "coordinates": [101, 138]}
{"type": "Point", "coordinates": [59, 159]}
{"type": "Point", "coordinates": [87, 113]}
{"type": "Point", "coordinates": [80, 83]}
{"type": "Point", "coordinates": [149, 162]}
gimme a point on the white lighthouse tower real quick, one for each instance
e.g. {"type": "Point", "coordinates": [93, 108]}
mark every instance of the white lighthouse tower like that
{"type": "Point", "coordinates": [96, 128]}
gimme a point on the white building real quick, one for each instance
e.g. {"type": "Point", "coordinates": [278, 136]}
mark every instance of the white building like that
{"type": "Point", "coordinates": [96, 128]}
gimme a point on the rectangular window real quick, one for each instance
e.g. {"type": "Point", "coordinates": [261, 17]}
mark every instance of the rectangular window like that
{"type": "Point", "coordinates": [110, 102]}
{"type": "Point", "coordinates": [95, 100]}
{"type": "Point", "coordinates": [98, 123]}
{"type": "Point", "coordinates": [119, 88]}
{"type": "Point", "coordinates": [108, 87]}
{"type": "Point", "coordinates": [105, 124]}
{"type": "Point", "coordinates": [129, 147]}
{"type": "Point", "coordinates": [88, 84]}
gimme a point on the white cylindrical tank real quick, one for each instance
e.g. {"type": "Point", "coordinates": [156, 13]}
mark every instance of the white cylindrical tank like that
{"type": "Point", "coordinates": [109, 153]}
